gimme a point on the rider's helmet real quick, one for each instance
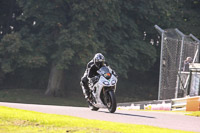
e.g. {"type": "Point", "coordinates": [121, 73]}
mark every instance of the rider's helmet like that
{"type": "Point", "coordinates": [99, 60]}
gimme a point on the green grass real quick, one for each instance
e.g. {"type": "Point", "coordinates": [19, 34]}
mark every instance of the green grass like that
{"type": "Point", "coordinates": [21, 121]}
{"type": "Point", "coordinates": [35, 96]}
{"type": "Point", "coordinates": [196, 113]}
{"type": "Point", "coordinates": [73, 98]}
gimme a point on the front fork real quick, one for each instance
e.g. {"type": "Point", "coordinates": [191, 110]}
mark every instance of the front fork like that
{"type": "Point", "coordinates": [106, 98]}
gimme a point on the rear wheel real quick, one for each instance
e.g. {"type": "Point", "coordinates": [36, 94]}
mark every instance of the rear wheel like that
{"type": "Point", "coordinates": [92, 107]}
{"type": "Point", "coordinates": [111, 102]}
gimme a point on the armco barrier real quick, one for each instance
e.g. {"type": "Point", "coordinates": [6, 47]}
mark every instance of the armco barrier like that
{"type": "Point", "coordinates": [147, 105]}
{"type": "Point", "coordinates": [186, 104]}
{"type": "Point", "coordinates": [179, 104]}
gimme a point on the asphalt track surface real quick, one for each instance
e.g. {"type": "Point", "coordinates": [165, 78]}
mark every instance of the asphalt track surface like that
{"type": "Point", "coordinates": [169, 120]}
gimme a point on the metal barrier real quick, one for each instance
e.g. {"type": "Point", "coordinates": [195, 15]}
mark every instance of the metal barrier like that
{"type": "Point", "coordinates": [186, 104]}
{"type": "Point", "coordinates": [179, 104]}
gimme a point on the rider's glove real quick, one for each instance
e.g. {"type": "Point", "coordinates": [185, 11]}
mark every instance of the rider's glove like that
{"type": "Point", "coordinates": [114, 73]}
{"type": "Point", "coordinates": [94, 79]}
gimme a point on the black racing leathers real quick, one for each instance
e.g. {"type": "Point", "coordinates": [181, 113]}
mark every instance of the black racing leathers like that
{"type": "Point", "coordinates": [90, 72]}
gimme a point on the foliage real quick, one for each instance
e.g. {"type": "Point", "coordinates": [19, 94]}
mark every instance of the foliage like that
{"type": "Point", "coordinates": [69, 32]}
{"type": "Point", "coordinates": [16, 52]}
{"type": "Point", "coordinates": [8, 13]}
{"type": "Point", "coordinates": [36, 34]}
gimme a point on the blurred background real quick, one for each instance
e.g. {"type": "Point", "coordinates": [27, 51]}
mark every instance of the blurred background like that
{"type": "Point", "coordinates": [46, 45]}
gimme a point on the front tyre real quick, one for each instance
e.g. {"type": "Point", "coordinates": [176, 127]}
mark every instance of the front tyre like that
{"type": "Point", "coordinates": [111, 102]}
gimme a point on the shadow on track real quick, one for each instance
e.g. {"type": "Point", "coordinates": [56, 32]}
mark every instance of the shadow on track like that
{"type": "Point", "coordinates": [129, 115]}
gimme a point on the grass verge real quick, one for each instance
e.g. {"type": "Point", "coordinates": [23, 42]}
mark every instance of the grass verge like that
{"type": "Point", "coordinates": [36, 96]}
{"type": "Point", "coordinates": [22, 121]}
{"type": "Point", "coordinates": [196, 113]}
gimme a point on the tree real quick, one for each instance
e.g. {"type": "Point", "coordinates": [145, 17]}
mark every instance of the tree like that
{"type": "Point", "coordinates": [9, 10]}
{"type": "Point", "coordinates": [8, 13]}
{"type": "Point", "coordinates": [126, 48]}
{"type": "Point", "coordinates": [63, 34]}
{"type": "Point", "coordinates": [56, 33]}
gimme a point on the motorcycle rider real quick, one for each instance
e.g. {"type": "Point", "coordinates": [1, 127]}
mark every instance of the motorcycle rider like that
{"type": "Point", "coordinates": [91, 72]}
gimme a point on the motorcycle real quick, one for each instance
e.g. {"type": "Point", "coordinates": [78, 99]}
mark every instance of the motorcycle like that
{"type": "Point", "coordinates": [102, 90]}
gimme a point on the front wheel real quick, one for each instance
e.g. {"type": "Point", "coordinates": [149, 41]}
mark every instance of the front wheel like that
{"type": "Point", "coordinates": [111, 102]}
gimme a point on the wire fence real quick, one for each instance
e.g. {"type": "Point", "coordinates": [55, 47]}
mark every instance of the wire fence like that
{"type": "Point", "coordinates": [175, 48]}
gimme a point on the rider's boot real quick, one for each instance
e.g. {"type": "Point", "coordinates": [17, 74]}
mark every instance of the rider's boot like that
{"type": "Point", "coordinates": [87, 96]}
{"type": "Point", "coordinates": [86, 92]}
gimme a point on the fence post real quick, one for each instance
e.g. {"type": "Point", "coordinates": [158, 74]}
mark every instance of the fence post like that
{"type": "Point", "coordinates": [181, 54]}
{"type": "Point", "coordinates": [161, 58]}
{"type": "Point", "coordinates": [196, 39]}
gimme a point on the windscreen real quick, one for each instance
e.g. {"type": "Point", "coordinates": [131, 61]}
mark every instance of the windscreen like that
{"type": "Point", "coordinates": [104, 70]}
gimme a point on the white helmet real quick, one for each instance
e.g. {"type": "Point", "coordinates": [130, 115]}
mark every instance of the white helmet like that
{"type": "Point", "coordinates": [99, 60]}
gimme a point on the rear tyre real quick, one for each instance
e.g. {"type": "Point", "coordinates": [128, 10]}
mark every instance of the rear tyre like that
{"type": "Point", "coordinates": [111, 102]}
{"type": "Point", "coordinates": [92, 107]}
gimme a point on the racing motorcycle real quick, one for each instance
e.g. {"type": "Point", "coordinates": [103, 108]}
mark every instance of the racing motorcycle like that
{"type": "Point", "coordinates": [102, 90]}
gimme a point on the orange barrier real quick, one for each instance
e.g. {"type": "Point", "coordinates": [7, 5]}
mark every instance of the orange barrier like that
{"type": "Point", "coordinates": [193, 104]}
